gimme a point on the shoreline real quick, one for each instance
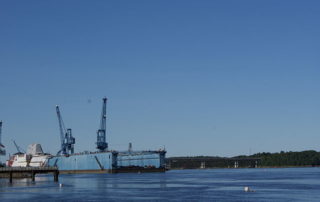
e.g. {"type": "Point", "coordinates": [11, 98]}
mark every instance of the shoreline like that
{"type": "Point", "coordinates": [308, 166]}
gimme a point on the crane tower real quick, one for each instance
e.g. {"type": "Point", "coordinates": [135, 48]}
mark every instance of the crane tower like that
{"type": "Point", "coordinates": [2, 148]}
{"type": "Point", "coordinates": [67, 141]}
{"type": "Point", "coordinates": [102, 145]}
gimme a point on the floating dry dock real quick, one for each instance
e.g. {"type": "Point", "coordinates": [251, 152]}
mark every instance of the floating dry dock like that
{"type": "Point", "coordinates": [110, 162]}
{"type": "Point", "coordinates": [103, 160]}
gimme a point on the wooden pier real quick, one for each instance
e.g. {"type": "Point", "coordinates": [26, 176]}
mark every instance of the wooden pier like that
{"type": "Point", "coordinates": [31, 171]}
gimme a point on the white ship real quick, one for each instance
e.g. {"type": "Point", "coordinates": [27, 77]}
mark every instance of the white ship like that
{"type": "Point", "coordinates": [35, 157]}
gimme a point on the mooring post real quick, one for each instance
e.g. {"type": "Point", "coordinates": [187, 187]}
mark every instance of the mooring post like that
{"type": "Point", "coordinates": [10, 177]}
{"type": "Point", "coordinates": [56, 174]}
{"type": "Point", "coordinates": [33, 175]}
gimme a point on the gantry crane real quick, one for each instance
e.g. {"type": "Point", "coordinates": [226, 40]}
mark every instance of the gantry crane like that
{"type": "Point", "coordinates": [102, 145]}
{"type": "Point", "coordinates": [2, 148]}
{"type": "Point", "coordinates": [67, 141]}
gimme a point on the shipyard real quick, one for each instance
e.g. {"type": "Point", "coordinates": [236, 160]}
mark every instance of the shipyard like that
{"type": "Point", "coordinates": [103, 160]}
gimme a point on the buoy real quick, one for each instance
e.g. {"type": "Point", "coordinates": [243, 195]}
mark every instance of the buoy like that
{"type": "Point", "coordinates": [247, 189]}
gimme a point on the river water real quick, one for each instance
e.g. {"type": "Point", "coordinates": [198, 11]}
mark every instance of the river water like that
{"type": "Point", "coordinates": [272, 184]}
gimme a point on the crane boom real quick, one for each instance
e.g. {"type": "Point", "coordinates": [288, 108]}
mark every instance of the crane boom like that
{"type": "Point", "coordinates": [67, 141]}
{"type": "Point", "coordinates": [19, 149]}
{"type": "Point", "coordinates": [102, 145]}
{"type": "Point", "coordinates": [61, 127]}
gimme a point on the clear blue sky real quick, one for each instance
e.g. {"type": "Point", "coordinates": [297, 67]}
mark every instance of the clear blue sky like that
{"type": "Point", "coordinates": [200, 77]}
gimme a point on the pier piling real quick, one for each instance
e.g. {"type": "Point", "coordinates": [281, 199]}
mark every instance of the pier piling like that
{"type": "Point", "coordinates": [10, 177]}
{"type": "Point", "coordinates": [9, 171]}
{"type": "Point", "coordinates": [33, 176]}
{"type": "Point", "coordinates": [56, 174]}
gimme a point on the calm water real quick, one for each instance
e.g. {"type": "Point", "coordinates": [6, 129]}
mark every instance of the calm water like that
{"type": "Point", "coordinates": [280, 184]}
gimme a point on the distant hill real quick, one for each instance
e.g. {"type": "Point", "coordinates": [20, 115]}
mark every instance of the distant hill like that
{"type": "Point", "coordinates": [265, 159]}
{"type": "Point", "coordinates": [303, 158]}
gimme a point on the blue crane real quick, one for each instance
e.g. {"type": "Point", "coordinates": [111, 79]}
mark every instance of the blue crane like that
{"type": "Point", "coordinates": [2, 148]}
{"type": "Point", "coordinates": [67, 141]}
{"type": "Point", "coordinates": [102, 145]}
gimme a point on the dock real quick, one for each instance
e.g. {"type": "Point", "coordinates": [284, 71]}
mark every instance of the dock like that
{"type": "Point", "coordinates": [31, 171]}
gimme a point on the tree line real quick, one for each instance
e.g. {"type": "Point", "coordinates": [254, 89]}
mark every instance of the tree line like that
{"type": "Point", "coordinates": [264, 159]}
{"type": "Point", "coordinates": [303, 158]}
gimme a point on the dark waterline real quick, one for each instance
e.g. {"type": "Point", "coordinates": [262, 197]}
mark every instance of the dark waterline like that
{"type": "Point", "coordinates": [271, 184]}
